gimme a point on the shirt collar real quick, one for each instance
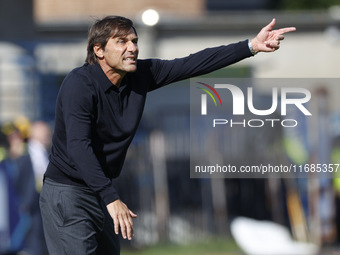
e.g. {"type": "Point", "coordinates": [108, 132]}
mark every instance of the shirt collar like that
{"type": "Point", "coordinates": [105, 83]}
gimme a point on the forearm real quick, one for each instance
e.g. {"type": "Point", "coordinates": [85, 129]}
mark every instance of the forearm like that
{"type": "Point", "coordinates": [202, 62]}
{"type": "Point", "coordinates": [91, 171]}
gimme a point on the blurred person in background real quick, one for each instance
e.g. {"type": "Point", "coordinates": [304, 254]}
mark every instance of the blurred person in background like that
{"type": "Point", "coordinates": [14, 223]}
{"type": "Point", "coordinates": [98, 110]}
{"type": "Point", "coordinates": [16, 132]}
{"type": "Point", "coordinates": [38, 146]}
{"type": "Point", "coordinates": [32, 167]}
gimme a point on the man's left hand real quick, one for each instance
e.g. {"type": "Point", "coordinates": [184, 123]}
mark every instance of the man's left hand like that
{"type": "Point", "coordinates": [122, 217]}
{"type": "Point", "coordinates": [268, 40]}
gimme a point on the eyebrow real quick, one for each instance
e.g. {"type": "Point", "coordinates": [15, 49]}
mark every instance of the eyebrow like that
{"type": "Point", "coordinates": [124, 37]}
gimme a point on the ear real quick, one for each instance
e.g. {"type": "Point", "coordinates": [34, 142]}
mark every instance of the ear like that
{"type": "Point", "coordinates": [98, 51]}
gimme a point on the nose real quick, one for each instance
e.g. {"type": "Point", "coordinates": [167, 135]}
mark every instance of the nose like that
{"type": "Point", "coordinates": [132, 47]}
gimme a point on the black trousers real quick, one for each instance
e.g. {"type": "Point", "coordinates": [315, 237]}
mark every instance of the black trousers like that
{"type": "Point", "coordinates": [76, 222]}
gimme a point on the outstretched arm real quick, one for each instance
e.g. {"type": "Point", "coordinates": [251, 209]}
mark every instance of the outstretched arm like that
{"type": "Point", "coordinates": [268, 40]}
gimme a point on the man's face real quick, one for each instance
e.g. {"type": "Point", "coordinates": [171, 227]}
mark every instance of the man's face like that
{"type": "Point", "coordinates": [120, 53]}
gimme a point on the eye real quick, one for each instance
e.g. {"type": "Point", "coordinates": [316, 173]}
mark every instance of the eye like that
{"type": "Point", "coordinates": [121, 40]}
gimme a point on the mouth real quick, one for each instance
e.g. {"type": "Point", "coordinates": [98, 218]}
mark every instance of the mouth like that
{"type": "Point", "coordinates": [130, 60]}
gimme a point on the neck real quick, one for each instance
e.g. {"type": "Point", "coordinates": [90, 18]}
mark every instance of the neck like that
{"type": "Point", "coordinates": [114, 76]}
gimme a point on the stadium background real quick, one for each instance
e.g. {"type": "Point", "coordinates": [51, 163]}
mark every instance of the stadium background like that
{"type": "Point", "coordinates": [42, 40]}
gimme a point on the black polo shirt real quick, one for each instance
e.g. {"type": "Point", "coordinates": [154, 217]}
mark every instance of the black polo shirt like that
{"type": "Point", "coordinates": [96, 121]}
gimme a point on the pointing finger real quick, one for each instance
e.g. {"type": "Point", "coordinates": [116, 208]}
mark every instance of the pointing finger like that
{"type": "Point", "coordinates": [285, 30]}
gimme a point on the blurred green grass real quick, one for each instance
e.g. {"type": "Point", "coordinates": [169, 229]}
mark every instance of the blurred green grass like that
{"type": "Point", "coordinates": [216, 246]}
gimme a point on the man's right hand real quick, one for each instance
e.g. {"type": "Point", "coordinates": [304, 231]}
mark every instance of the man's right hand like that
{"type": "Point", "coordinates": [122, 217]}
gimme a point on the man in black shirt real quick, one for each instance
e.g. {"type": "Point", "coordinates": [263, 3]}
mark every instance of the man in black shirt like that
{"type": "Point", "coordinates": [98, 110]}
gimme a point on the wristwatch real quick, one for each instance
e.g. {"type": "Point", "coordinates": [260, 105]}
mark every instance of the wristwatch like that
{"type": "Point", "coordinates": [251, 48]}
